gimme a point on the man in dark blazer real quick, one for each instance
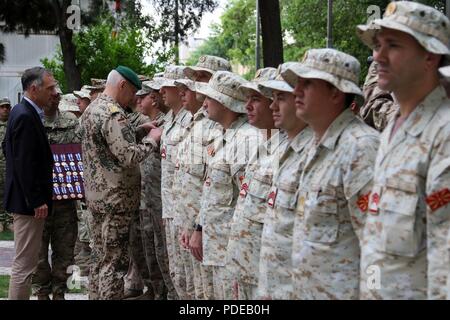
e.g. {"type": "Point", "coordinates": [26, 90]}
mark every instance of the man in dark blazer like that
{"type": "Point", "coordinates": [28, 185]}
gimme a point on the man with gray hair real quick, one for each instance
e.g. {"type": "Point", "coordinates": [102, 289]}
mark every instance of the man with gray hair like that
{"type": "Point", "coordinates": [112, 178]}
{"type": "Point", "coordinates": [28, 186]}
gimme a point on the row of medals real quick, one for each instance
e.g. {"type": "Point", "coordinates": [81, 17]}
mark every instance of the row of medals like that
{"type": "Point", "coordinates": [63, 187]}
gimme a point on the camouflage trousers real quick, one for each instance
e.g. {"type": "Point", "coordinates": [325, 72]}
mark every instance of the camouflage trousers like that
{"type": "Point", "coordinates": [156, 256]}
{"type": "Point", "coordinates": [84, 232]}
{"type": "Point", "coordinates": [143, 258]}
{"type": "Point", "coordinates": [243, 254]}
{"type": "Point", "coordinates": [83, 244]}
{"type": "Point", "coordinates": [246, 291]}
{"type": "Point", "coordinates": [205, 273]}
{"type": "Point", "coordinates": [60, 231]}
{"type": "Point", "coordinates": [110, 235]}
{"type": "Point", "coordinates": [202, 278]}
{"type": "Point", "coordinates": [179, 263]}
{"type": "Point", "coordinates": [222, 282]}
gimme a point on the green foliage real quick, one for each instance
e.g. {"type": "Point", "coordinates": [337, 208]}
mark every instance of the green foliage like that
{"type": "Point", "coordinates": [4, 286]}
{"type": "Point", "coordinates": [304, 25]}
{"type": "Point", "coordinates": [6, 235]}
{"type": "Point", "coordinates": [234, 37]}
{"type": "Point", "coordinates": [98, 52]}
{"type": "Point", "coordinates": [180, 17]}
{"type": "Point", "coordinates": [213, 46]}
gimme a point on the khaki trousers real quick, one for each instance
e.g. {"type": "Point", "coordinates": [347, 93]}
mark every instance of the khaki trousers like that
{"type": "Point", "coordinates": [27, 244]}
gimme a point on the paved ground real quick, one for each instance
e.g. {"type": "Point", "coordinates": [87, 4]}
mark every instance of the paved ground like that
{"type": "Point", "coordinates": [6, 257]}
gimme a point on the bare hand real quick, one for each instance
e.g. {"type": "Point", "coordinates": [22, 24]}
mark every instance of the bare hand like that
{"type": "Point", "coordinates": [184, 239]}
{"type": "Point", "coordinates": [155, 134]}
{"type": "Point", "coordinates": [41, 212]}
{"type": "Point", "coordinates": [148, 126]}
{"type": "Point", "coordinates": [196, 245]}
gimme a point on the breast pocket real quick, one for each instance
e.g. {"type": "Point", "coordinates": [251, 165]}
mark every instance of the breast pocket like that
{"type": "Point", "coordinates": [402, 233]}
{"type": "Point", "coordinates": [285, 195]}
{"type": "Point", "coordinates": [256, 199]}
{"type": "Point", "coordinates": [321, 216]}
{"type": "Point", "coordinates": [222, 185]}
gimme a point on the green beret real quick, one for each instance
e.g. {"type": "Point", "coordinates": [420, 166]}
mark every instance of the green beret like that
{"type": "Point", "coordinates": [130, 75]}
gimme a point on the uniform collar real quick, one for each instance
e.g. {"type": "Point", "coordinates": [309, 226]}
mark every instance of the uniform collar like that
{"type": "Point", "coordinates": [422, 114]}
{"type": "Point", "coordinates": [159, 116]}
{"type": "Point", "coordinates": [300, 140]}
{"type": "Point", "coordinates": [106, 98]}
{"type": "Point", "coordinates": [234, 128]}
{"type": "Point", "coordinates": [200, 114]}
{"type": "Point", "coordinates": [334, 131]}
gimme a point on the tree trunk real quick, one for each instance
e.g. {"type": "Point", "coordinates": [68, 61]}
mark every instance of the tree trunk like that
{"type": "Point", "coordinates": [71, 70]}
{"type": "Point", "coordinates": [2, 53]}
{"type": "Point", "coordinates": [271, 33]}
{"type": "Point", "coordinates": [177, 34]}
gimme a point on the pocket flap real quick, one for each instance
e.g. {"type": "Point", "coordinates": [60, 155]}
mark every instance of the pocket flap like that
{"type": "Point", "coordinates": [258, 189]}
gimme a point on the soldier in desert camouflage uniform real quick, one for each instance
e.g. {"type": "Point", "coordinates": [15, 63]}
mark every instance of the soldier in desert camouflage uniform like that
{"type": "Point", "coordinates": [184, 217]}
{"type": "Point", "coordinates": [112, 178]}
{"type": "Point", "coordinates": [274, 260]}
{"type": "Point", "coordinates": [153, 235]}
{"type": "Point", "coordinates": [404, 252]}
{"type": "Point", "coordinates": [336, 177]}
{"type": "Point", "coordinates": [445, 72]}
{"type": "Point", "coordinates": [5, 108]}
{"type": "Point", "coordinates": [228, 157]}
{"type": "Point", "coordinates": [246, 226]}
{"type": "Point", "coordinates": [201, 134]}
{"type": "Point", "coordinates": [175, 129]}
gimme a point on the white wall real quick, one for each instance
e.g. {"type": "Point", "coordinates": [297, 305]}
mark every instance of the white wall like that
{"type": "Point", "coordinates": [22, 53]}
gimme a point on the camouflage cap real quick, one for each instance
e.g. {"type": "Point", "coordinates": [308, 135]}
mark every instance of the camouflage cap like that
{"type": "Point", "coordinates": [143, 78]}
{"type": "Point", "coordinates": [83, 93]}
{"type": "Point", "coordinates": [427, 25]}
{"type": "Point", "coordinates": [172, 73]}
{"type": "Point", "coordinates": [190, 84]}
{"type": "Point", "coordinates": [145, 90]}
{"type": "Point", "coordinates": [338, 68]}
{"type": "Point", "coordinates": [445, 71]}
{"type": "Point", "coordinates": [5, 101]}
{"type": "Point", "coordinates": [209, 64]}
{"type": "Point", "coordinates": [223, 87]}
{"type": "Point", "coordinates": [267, 87]}
{"type": "Point", "coordinates": [68, 103]}
{"type": "Point", "coordinates": [261, 75]}
{"type": "Point", "coordinates": [98, 84]}
{"type": "Point", "coordinates": [155, 84]}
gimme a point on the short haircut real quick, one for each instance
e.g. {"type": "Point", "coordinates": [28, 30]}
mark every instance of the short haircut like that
{"type": "Point", "coordinates": [114, 77]}
{"type": "Point", "coordinates": [349, 97]}
{"type": "Point", "coordinates": [34, 75]}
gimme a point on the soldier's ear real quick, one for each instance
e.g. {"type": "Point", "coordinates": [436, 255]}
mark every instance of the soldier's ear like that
{"type": "Point", "coordinates": [433, 61]}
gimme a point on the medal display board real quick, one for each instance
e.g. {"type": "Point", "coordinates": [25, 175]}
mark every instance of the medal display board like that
{"type": "Point", "coordinates": [67, 172]}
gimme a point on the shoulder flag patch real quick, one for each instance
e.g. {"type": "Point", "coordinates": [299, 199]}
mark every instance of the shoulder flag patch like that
{"type": "Point", "coordinates": [438, 199]}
